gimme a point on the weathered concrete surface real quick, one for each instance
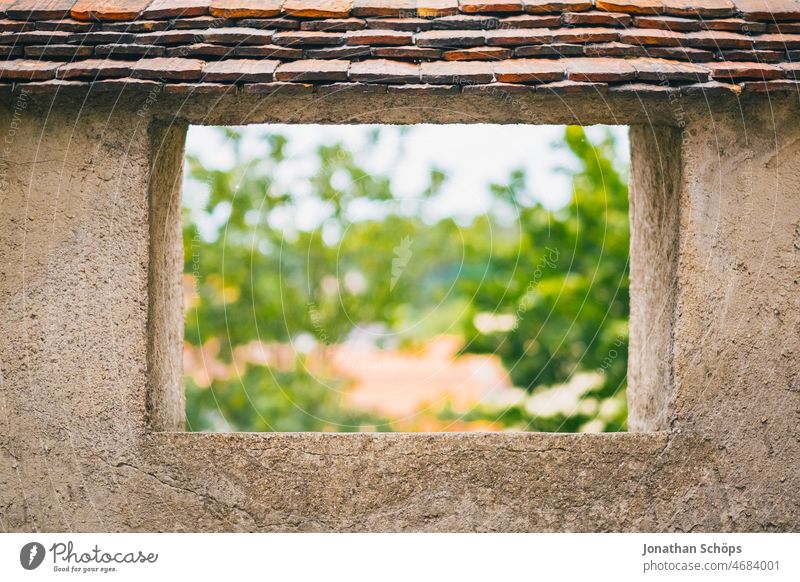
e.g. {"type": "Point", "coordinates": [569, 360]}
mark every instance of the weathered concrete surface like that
{"type": "Point", "coordinates": [654, 209]}
{"type": "Point", "coordinates": [77, 445]}
{"type": "Point", "coordinates": [490, 106]}
{"type": "Point", "coordinates": [737, 324]}
{"type": "Point", "coordinates": [166, 404]}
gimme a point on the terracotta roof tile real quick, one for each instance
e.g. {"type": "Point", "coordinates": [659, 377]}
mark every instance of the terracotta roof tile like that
{"type": "Point", "coordinates": [317, 8]}
{"type": "Point", "coordinates": [491, 6]}
{"type": "Point", "coordinates": [456, 72]}
{"type": "Point", "coordinates": [379, 37]}
{"type": "Point", "coordinates": [278, 87]}
{"type": "Point", "coordinates": [703, 8]}
{"type": "Point", "coordinates": [39, 9]}
{"type": "Point", "coordinates": [392, 8]}
{"type": "Point", "coordinates": [501, 89]}
{"type": "Point", "coordinates": [128, 50]}
{"type": "Point", "coordinates": [103, 37]}
{"type": "Point", "coordinates": [631, 6]}
{"type": "Point", "coordinates": [334, 24]}
{"type": "Point", "coordinates": [166, 68]}
{"type": "Point", "coordinates": [245, 8]}
{"type": "Point", "coordinates": [548, 6]}
{"type": "Point", "coordinates": [436, 8]}
{"type": "Point", "coordinates": [451, 39]}
{"type": "Point", "coordinates": [60, 85]}
{"type": "Point", "coordinates": [236, 36]}
{"type": "Point", "coordinates": [769, 10]}
{"type": "Point", "coordinates": [760, 56]}
{"type": "Point", "coordinates": [596, 17]}
{"type": "Point", "coordinates": [644, 90]}
{"type": "Point", "coordinates": [351, 89]}
{"type": "Point", "coordinates": [664, 71]}
{"type": "Point", "coordinates": [551, 50]}
{"type": "Point", "coordinates": [672, 23]}
{"type": "Point", "coordinates": [528, 21]}
{"type": "Point", "coordinates": [108, 9]}
{"type": "Point", "coordinates": [468, 22]}
{"type": "Point", "coordinates": [28, 70]}
{"type": "Point", "coordinates": [94, 69]}
{"type": "Point", "coordinates": [64, 24]}
{"type": "Point", "coordinates": [544, 35]}
{"type": "Point", "coordinates": [570, 87]}
{"type": "Point", "coordinates": [128, 84]}
{"type": "Point", "coordinates": [601, 70]}
{"type": "Point", "coordinates": [199, 50]}
{"type": "Point", "coordinates": [426, 90]}
{"type": "Point", "coordinates": [529, 71]}
{"type": "Point", "coordinates": [338, 52]}
{"type": "Point", "coordinates": [777, 41]}
{"type": "Point", "coordinates": [315, 70]}
{"type": "Point", "coordinates": [198, 88]}
{"type": "Point", "coordinates": [737, 71]}
{"type": "Point", "coordinates": [415, 47]}
{"type": "Point", "coordinates": [174, 8]}
{"type": "Point", "coordinates": [711, 89]}
{"type": "Point", "coordinates": [481, 53]}
{"type": "Point", "coordinates": [791, 70]}
{"type": "Point", "coordinates": [779, 85]}
{"type": "Point", "coordinates": [132, 27]}
{"type": "Point", "coordinates": [57, 52]}
{"type": "Point", "coordinates": [407, 24]}
{"type": "Point", "coordinates": [33, 37]}
{"type": "Point", "coordinates": [240, 70]}
{"type": "Point", "coordinates": [734, 25]}
{"type": "Point", "coordinates": [183, 23]}
{"type": "Point", "coordinates": [614, 49]}
{"type": "Point", "coordinates": [384, 71]}
{"type": "Point", "coordinates": [12, 51]}
{"type": "Point", "coordinates": [307, 37]}
{"type": "Point", "coordinates": [267, 23]}
{"type": "Point", "coordinates": [652, 37]}
{"type": "Point", "coordinates": [407, 52]}
{"type": "Point", "coordinates": [785, 27]}
{"type": "Point", "coordinates": [7, 25]}
{"type": "Point", "coordinates": [716, 39]}
{"type": "Point", "coordinates": [680, 53]}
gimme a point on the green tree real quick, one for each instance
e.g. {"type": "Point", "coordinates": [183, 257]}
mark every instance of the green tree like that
{"type": "Point", "coordinates": [559, 276]}
{"type": "Point", "coordinates": [567, 289]}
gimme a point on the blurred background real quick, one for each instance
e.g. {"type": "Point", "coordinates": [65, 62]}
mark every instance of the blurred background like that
{"type": "Point", "coordinates": [422, 278]}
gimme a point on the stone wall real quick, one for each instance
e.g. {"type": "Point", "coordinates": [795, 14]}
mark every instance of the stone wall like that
{"type": "Point", "coordinates": [90, 364]}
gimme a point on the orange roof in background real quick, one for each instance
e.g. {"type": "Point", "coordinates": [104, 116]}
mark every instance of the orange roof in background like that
{"type": "Point", "coordinates": [398, 384]}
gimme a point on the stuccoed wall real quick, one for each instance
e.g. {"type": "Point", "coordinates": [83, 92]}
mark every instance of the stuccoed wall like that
{"type": "Point", "coordinates": [87, 297]}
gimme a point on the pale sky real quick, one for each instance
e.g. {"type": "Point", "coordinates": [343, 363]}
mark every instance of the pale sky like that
{"type": "Point", "coordinates": [473, 156]}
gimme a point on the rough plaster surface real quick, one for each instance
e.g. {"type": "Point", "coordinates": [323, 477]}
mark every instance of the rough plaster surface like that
{"type": "Point", "coordinates": [77, 445]}
{"type": "Point", "coordinates": [166, 403]}
{"type": "Point", "coordinates": [654, 206]}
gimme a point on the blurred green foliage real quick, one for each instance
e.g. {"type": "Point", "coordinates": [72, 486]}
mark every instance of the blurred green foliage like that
{"type": "Point", "coordinates": [545, 290]}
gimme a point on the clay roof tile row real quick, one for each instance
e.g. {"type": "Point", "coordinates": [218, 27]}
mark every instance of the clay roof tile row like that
{"type": "Point", "coordinates": [564, 46]}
